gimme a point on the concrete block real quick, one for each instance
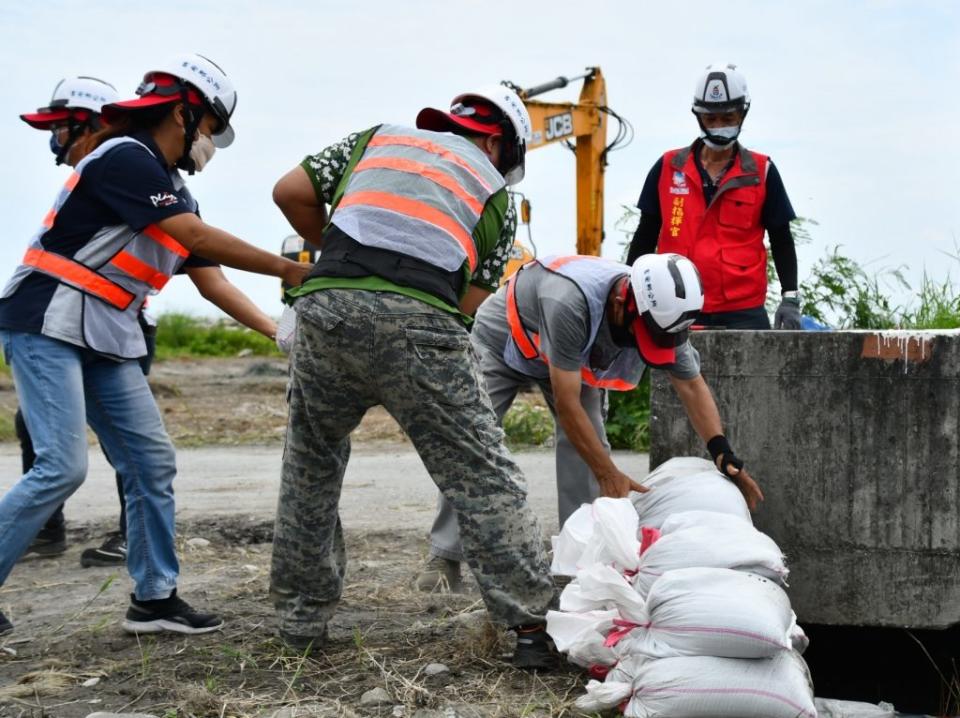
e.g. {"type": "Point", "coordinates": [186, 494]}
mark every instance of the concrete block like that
{"type": "Point", "coordinates": [854, 438]}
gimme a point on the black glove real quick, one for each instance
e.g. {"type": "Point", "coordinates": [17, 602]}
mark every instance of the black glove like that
{"type": "Point", "coordinates": [788, 314]}
{"type": "Point", "coordinates": [719, 446]}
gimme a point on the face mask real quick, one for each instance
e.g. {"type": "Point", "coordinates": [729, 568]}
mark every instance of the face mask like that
{"type": "Point", "coordinates": [717, 138]}
{"type": "Point", "coordinates": [201, 151]}
{"type": "Point", "coordinates": [55, 145]}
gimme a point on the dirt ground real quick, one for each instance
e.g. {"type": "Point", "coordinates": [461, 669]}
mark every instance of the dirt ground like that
{"type": "Point", "coordinates": [68, 656]}
{"type": "Point", "coordinates": [385, 634]}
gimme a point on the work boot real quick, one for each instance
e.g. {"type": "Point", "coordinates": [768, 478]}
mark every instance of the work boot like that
{"type": "Point", "coordinates": [48, 542]}
{"type": "Point", "coordinates": [440, 575]}
{"type": "Point", "coordinates": [171, 614]}
{"type": "Point", "coordinates": [535, 650]}
{"type": "Point", "coordinates": [305, 645]}
{"type": "Point", "coordinates": [5, 625]}
{"type": "Point", "coordinates": [112, 552]}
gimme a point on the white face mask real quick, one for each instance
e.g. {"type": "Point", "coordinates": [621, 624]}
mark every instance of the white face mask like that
{"type": "Point", "coordinates": [201, 151]}
{"type": "Point", "coordinates": [717, 138]}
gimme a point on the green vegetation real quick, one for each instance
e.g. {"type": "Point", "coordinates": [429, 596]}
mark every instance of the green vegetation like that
{"type": "Point", "coordinates": [183, 335]}
{"type": "Point", "coordinates": [527, 424]}
{"type": "Point", "coordinates": [628, 418]}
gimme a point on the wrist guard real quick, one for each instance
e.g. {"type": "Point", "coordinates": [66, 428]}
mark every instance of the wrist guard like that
{"type": "Point", "coordinates": [718, 446]}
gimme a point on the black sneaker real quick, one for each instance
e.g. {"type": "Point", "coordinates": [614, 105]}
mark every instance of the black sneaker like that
{"type": "Point", "coordinates": [5, 625]}
{"type": "Point", "coordinates": [535, 650]}
{"type": "Point", "coordinates": [112, 552]}
{"type": "Point", "coordinates": [168, 614]}
{"type": "Point", "coordinates": [48, 542]}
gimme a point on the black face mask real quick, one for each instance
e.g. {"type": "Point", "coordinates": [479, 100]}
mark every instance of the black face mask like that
{"type": "Point", "coordinates": [621, 334]}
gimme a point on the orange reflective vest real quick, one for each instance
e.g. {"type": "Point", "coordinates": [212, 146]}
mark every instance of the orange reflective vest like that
{"type": "Point", "coordinates": [595, 277]}
{"type": "Point", "coordinates": [725, 239]}
{"type": "Point", "coordinates": [419, 194]}
{"type": "Point", "coordinates": [106, 282]}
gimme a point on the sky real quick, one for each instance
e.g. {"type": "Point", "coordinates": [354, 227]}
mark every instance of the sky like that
{"type": "Point", "coordinates": [857, 102]}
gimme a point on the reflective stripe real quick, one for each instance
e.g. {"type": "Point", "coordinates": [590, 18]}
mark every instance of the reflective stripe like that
{"type": "Point", "coordinates": [528, 348]}
{"type": "Point", "coordinates": [593, 380]}
{"type": "Point", "coordinates": [76, 275]}
{"type": "Point", "coordinates": [68, 188]}
{"type": "Point", "coordinates": [417, 210]}
{"type": "Point", "coordinates": [427, 146]}
{"type": "Point", "coordinates": [431, 173]}
{"type": "Point", "coordinates": [140, 270]}
{"type": "Point", "coordinates": [165, 240]}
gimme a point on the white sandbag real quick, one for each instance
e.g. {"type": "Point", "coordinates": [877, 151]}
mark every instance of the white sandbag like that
{"type": "Point", "coordinates": [602, 588]}
{"type": "Point", "coordinates": [798, 637]}
{"type": "Point", "coordinates": [694, 519]}
{"type": "Point", "coordinates": [602, 532]}
{"type": "Point", "coordinates": [569, 545]}
{"type": "Point", "coordinates": [581, 636]}
{"type": "Point", "coordinates": [675, 467]}
{"type": "Point", "coordinates": [831, 708]}
{"type": "Point", "coordinates": [739, 546]}
{"type": "Point", "coordinates": [707, 687]}
{"type": "Point", "coordinates": [714, 612]}
{"type": "Point", "coordinates": [704, 491]}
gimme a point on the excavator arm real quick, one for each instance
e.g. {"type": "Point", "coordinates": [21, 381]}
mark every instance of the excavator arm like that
{"type": "Point", "coordinates": [585, 122]}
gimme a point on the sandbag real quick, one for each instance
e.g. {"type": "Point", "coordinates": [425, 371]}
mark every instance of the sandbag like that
{"type": "Point", "coordinates": [582, 636]}
{"type": "Point", "coordinates": [831, 708]}
{"type": "Point", "coordinates": [675, 467]}
{"type": "Point", "coordinates": [602, 588]}
{"type": "Point", "coordinates": [714, 612]}
{"type": "Point", "coordinates": [706, 687]}
{"type": "Point", "coordinates": [739, 546]}
{"type": "Point", "coordinates": [703, 491]}
{"type": "Point", "coordinates": [699, 519]}
{"type": "Point", "coordinates": [603, 532]}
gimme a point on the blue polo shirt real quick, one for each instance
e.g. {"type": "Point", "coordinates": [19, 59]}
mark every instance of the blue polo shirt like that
{"type": "Point", "coordinates": [128, 185]}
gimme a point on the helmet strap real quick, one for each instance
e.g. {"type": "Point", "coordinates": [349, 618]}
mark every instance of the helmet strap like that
{"type": "Point", "coordinates": [192, 118]}
{"type": "Point", "coordinates": [75, 128]}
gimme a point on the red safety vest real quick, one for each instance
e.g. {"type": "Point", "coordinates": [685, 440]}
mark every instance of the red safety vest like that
{"type": "Point", "coordinates": [724, 240]}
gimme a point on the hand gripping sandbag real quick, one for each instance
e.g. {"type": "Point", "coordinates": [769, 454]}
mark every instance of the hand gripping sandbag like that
{"type": "Point", "coordinates": [610, 526]}
{"type": "Point", "coordinates": [706, 687]}
{"type": "Point", "coordinates": [714, 612]}
{"type": "Point", "coordinates": [704, 491]}
{"type": "Point", "coordinates": [739, 546]}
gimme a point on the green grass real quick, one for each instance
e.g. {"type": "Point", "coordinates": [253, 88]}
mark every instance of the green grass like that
{"type": "Point", "coordinates": [183, 335]}
{"type": "Point", "coordinates": [527, 424]}
{"type": "Point", "coordinates": [628, 418]}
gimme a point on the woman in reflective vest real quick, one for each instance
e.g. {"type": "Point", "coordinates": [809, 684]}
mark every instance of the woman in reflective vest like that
{"type": "Point", "coordinates": [117, 231]}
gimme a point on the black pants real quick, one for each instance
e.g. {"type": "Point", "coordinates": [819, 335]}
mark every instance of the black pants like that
{"type": "Point", "coordinates": [753, 318]}
{"type": "Point", "coordinates": [56, 522]}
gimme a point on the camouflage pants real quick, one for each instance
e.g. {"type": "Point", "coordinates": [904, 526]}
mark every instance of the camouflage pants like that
{"type": "Point", "coordinates": [357, 349]}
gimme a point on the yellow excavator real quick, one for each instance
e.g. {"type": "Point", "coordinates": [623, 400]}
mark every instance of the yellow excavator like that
{"type": "Point", "coordinates": [584, 121]}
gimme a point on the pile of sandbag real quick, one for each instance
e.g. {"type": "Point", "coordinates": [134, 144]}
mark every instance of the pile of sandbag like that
{"type": "Point", "coordinates": [677, 605]}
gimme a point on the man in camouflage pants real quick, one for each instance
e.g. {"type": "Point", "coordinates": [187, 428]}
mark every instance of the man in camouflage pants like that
{"type": "Point", "coordinates": [416, 216]}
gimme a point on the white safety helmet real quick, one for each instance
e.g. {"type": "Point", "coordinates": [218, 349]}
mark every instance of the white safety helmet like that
{"type": "Point", "coordinates": [76, 103]}
{"type": "Point", "coordinates": [668, 294]}
{"type": "Point", "coordinates": [512, 122]}
{"type": "Point", "coordinates": [194, 80]}
{"type": "Point", "coordinates": [721, 88]}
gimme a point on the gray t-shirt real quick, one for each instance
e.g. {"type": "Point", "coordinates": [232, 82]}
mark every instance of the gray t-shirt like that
{"type": "Point", "coordinates": [553, 306]}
